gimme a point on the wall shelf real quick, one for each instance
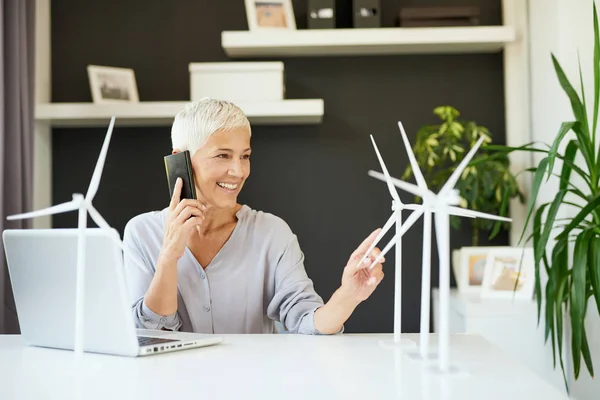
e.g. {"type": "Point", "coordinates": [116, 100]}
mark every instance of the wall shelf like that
{"type": "Point", "coordinates": [148, 113]}
{"type": "Point", "coordinates": [377, 41]}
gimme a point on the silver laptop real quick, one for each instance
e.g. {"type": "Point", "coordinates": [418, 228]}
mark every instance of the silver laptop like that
{"type": "Point", "coordinates": [42, 269]}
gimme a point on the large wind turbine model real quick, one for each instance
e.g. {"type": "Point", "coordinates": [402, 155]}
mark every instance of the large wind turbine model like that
{"type": "Point", "coordinates": [401, 229]}
{"type": "Point", "coordinates": [84, 205]}
{"type": "Point", "coordinates": [443, 204]}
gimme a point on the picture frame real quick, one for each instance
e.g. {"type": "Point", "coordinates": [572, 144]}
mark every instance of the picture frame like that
{"type": "Point", "coordinates": [471, 262]}
{"type": "Point", "coordinates": [506, 268]}
{"type": "Point", "coordinates": [112, 84]}
{"type": "Point", "coordinates": [267, 15]}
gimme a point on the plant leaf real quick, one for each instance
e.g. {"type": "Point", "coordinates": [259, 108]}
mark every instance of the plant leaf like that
{"type": "Point", "coordinates": [596, 77]}
{"type": "Point", "coordinates": [585, 211]}
{"type": "Point", "coordinates": [549, 331]}
{"type": "Point", "coordinates": [578, 297]}
{"type": "Point", "coordinates": [510, 149]}
{"type": "Point", "coordinates": [560, 299]}
{"type": "Point", "coordinates": [576, 104]}
{"type": "Point", "coordinates": [537, 181]}
{"type": "Point", "coordinates": [502, 212]}
{"type": "Point", "coordinates": [537, 229]}
{"type": "Point", "coordinates": [594, 267]}
{"type": "Point", "coordinates": [558, 276]}
{"type": "Point", "coordinates": [559, 337]}
{"type": "Point", "coordinates": [565, 127]}
{"type": "Point", "coordinates": [586, 147]}
{"type": "Point", "coordinates": [583, 101]}
{"type": "Point", "coordinates": [569, 165]}
{"type": "Point", "coordinates": [549, 224]}
{"type": "Point", "coordinates": [585, 351]}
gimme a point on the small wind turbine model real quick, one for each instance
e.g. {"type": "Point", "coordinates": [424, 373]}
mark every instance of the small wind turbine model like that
{"type": "Point", "coordinates": [84, 206]}
{"type": "Point", "coordinates": [443, 204]}
{"type": "Point", "coordinates": [396, 217]}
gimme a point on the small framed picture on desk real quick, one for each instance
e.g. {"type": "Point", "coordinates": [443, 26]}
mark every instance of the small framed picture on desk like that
{"type": "Point", "coordinates": [470, 266]}
{"type": "Point", "coordinates": [509, 273]}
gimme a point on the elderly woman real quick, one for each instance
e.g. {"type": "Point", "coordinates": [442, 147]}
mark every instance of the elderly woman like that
{"type": "Point", "coordinates": [212, 265]}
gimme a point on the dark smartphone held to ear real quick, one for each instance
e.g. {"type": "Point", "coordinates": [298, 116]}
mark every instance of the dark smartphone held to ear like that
{"type": "Point", "coordinates": [179, 165]}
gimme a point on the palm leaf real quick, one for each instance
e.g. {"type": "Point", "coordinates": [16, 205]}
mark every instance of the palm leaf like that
{"type": "Point", "coordinates": [578, 297]}
{"type": "Point", "coordinates": [537, 228]}
{"type": "Point", "coordinates": [586, 147]}
{"type": "Point", "coordinates": [576, 103]}
{"type": "Point", "coordinates": [569, 159]}
{"type": "Point", "coordinates": [549, 224]}
{"type": "Point", "coordinates": [594, 267]}
{"type": "Point", "coordinates": [583, 101]}
{"type": "Point", "coordinates": [596, 78]}
{"type": "Point", "coordinates": [559, 257]}
{"type": "Point", "coordinates": [560, 299]}
{"type": "Point", "coordinates": [537, 182]}
{"type": "Point", "coordinates": [549, 328]}
{"type": "Point", "coordinates": [585, 351]}
{"type": "Point", "coordinates": [585, 211]}
{"type": "Point", "coordinates": [564, 128]}
{"type": "Point", "coordinates": [503, 207]}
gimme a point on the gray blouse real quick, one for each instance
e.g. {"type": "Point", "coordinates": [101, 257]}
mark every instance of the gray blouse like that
{"type": "Point", "coordinates": [257, 278]}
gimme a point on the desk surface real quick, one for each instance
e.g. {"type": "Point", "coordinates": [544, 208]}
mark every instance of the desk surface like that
{"type": "Point", "coordinates": [270, 367]}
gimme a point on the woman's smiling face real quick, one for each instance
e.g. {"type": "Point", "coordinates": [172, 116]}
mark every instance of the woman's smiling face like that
{"type": "Point", "coordinates": [221, 166]}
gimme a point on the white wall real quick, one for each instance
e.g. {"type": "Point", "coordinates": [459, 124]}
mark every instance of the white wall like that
{"type": "Point", "coordinates": [562, 27]}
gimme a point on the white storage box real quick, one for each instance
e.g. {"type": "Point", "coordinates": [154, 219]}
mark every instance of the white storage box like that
{"type": "Point", "coordinates": [237, 81]}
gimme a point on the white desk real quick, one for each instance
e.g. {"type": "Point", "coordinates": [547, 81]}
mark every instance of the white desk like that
{"type": "Point", "coordinates": [281, 367]}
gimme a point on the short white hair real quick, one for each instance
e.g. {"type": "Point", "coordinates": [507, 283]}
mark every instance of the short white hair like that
{"type": "Point", "coordinates": [198, 120]}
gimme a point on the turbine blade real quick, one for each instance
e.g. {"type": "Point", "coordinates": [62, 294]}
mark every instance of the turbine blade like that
{"type": "Point", "coordinates": [391, 188]}
{"type": "Point", "coordinates": [385, 250]}
{"type": "Point", "coordinates": [57, 209]}
{"type": "Point", "coordinates": [410, 221]}
{"type": "Point", "coordinates": [386, 227]}
{"type": "Point", "coordinates": [95, 181]}
{"type": "Point", "coordinates": [408, 187]}
{"type": "Point", "coordinates": [403, 229]}
{"type": "Point", "coordinates": [412, 206]}
{"type": "Point", "coordinates": [459, 212]}
{"type": "Point", "coordinates": [101, 222]}
{"type": "Point", "coordinates": [449, 185]}
{"type": "Point", "coordinates": [476, 214]}
{"type": "Point", "coordinates": [413, 160]}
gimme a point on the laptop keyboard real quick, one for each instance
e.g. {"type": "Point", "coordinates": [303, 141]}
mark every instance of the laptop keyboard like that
{"type": "Point", "coordinates": [147, 341]}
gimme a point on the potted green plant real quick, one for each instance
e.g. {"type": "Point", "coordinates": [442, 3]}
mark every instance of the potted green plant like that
{"type": "Point", "coordinates": [572, 259]}
{"type": "Point", "coordinates": [484, 186]}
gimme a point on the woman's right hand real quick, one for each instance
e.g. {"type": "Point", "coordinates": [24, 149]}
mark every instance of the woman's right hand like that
{"type": "Point", "coordinates": [182, 219]}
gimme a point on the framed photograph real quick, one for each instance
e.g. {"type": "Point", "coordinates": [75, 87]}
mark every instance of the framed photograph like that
{"type": "Point", "coordinates": [112, 85]}
{"type": "Point", "coordinates": [471, 267]}
{"type": "Point", "coordinates": [509, 273]}
{"type": "Point", "coordinates": [270, 15]}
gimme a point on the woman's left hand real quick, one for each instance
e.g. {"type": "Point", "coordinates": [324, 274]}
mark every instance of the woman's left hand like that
{"type": "Point", "coordinates": [359, 281]}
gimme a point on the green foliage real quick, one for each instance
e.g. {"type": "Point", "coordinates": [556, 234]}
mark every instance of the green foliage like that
{"type": "Point", "coordinates": [569, 251]}
{"type": "Point", "coordinates": [484, 186]}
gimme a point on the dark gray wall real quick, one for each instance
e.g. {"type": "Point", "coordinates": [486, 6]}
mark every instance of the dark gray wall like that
{"type": "Point", "coordinates": [314, 177]}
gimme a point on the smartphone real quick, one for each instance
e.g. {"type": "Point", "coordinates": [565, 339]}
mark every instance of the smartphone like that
{"type": "Point", "coordinates": [179, 165]}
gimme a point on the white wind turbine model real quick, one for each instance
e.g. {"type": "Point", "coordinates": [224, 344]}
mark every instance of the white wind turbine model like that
{"type": "Point", "coordinates": [84, 206]}
{"type": "Point", "coordinates": [396, 217]}
{"type": "Point", "coordinates": [401, 229]}
{"type": "Point", "coordinates": [443, 204]}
